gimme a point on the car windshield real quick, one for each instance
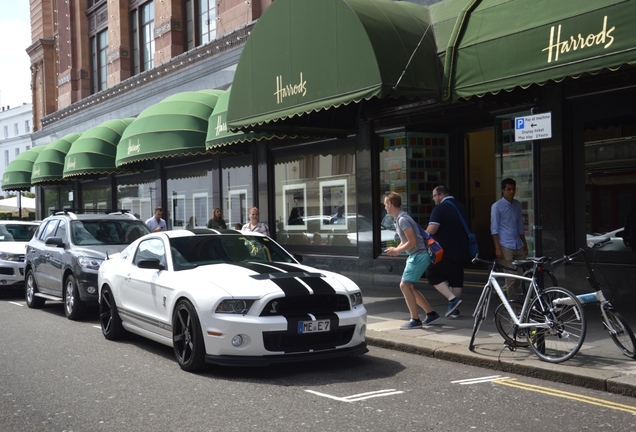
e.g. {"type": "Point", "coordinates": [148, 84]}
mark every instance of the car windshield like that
{"type": "Point", "coordinates": [107, 232]}
{"type": "Point", "coordinates": [188, 252]}
{"type": "Point", "coordinates": [16, 232]}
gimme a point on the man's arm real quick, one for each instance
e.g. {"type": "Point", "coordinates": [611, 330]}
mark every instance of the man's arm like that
{"type": "Point", "coordinates": [432, 228]}
{"type": "Point", "coordinates": [411, 241]}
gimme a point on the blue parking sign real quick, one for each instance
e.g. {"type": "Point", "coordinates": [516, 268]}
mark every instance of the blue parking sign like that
{"type": "Point", "coordinates": [520, 123]}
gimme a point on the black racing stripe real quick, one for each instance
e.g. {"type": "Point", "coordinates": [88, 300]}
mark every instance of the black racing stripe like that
{"type": "Point", "coordinates": [318, 285]}
{"type": "Point", "coordinates": [257, 268]}
{"type": "Point", "coordinates": [291, 287]}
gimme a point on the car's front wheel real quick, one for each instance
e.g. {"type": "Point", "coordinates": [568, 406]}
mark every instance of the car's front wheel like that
{"type": "Point", "coordinates": [31, 289]}
{"type": "Point", "coordinates": [109, 318]}
{"type": "Point", "coordinates": [73, 306]}
{"type": "Point", "coordinates": [187, 338]}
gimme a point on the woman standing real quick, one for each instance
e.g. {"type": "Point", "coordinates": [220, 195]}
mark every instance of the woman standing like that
{"type": "Point", "coordinates": [217, 220]}
{"type": "Point", "coordinates": [254, 225]}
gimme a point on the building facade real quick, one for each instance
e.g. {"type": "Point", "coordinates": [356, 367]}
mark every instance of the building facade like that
{"type": "Point", "coordinates": [16, 126]}
{"type": "Point", "coordinates": [332, 105]}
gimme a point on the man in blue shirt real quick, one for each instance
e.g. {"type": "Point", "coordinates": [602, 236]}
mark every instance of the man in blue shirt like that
{"type": "Point", "coordinates": [418, 260]}
{"type": "Point", "coordinates": [508, 233]}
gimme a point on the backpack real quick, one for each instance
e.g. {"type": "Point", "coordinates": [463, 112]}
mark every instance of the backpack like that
{"type": "Point", "coordinates": [434, 249]}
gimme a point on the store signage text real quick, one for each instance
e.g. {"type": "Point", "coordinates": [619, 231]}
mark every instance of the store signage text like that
{"type": "Point", "coordinates": [133, 148]}
{"type": "Point", "coordinates": [70, 164]}
{"type": "Point", "coordinates": [558, 46]}
{"type": "Point", "coordinates": [221, 126]}
{"type": "Point", "coordinates": [283, 91]}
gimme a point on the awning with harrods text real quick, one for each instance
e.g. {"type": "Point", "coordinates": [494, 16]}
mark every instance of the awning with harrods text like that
{"type": "Point", "coordinates": [175, 127]}
{"type": "Point", "coordinates": [49, 165]}
{"type": "Point", "coordinates": [95, 151]}
{"type": "Point", "coordinates": [498, 45]}
{"type": "Point", "coordinates": [220, 138]}
{"type": "Point", "coordinates": [305, 56]}
{"type": "Point", "coordinates": [17, 175]}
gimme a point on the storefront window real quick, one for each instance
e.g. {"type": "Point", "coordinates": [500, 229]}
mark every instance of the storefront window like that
{"type": "Point", "coordinates": [411, 164]}
{"type": "Point", "coordinates": [190, 197]}
{"type": "Point", "coordinates": [315, 202]}
{"type": "Point", "coordinates": [236, 181]}
{"type": "Point", "coordinates": [51, 195]}
{"type": "Point", "coordinates": [515, 160]}
{"type": "Point", "coordinates": [136, 192]}
{"type": "Point", "coordinates": [610, 181]}
{"type": "Point", "coordinates": [96, 194]}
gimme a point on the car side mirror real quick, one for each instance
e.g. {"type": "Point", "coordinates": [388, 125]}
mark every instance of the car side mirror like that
{"type": "Point", "coordinates": [150, 263]}
{"type": "Point", "coordinates": [54, 241]}
{"type": "Point", "coordinates": [298, 258]}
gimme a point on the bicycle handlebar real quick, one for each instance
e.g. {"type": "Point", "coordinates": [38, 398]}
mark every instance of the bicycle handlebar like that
{"type": "Point", "coordinates": [590, 245]}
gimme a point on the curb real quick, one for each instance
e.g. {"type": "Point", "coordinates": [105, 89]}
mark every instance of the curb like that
{"type": "Point", "coordinates": [501, 359]}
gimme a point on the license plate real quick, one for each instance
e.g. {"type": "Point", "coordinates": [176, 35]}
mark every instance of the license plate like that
{"type": "Point", "coordinates": [313, 326]}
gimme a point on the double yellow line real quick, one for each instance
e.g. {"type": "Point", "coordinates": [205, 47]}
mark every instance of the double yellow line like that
{"type": "Point", "coordinates": [567, 395]}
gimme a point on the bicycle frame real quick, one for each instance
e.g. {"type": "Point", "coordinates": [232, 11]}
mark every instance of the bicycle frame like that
{"type": "Point", "coordinates": [492, 281]}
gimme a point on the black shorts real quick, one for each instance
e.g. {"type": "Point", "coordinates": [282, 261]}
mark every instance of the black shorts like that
{"type": "Point", "coordinates": [446, 270]}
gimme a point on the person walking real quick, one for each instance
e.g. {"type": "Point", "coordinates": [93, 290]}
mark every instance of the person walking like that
{"type": "Point", "coordinates": [254, 225]}
{"type": "Point", "coordinates": [418, 260]}
{"type": "Point", "coordinates": [446, 226]}
{"type": "Point", "coordinates": [217, 220]}
{"type": "Point", "coordinates": [508, 233]}
{"type": "Point", "coordinates": [156, 223]}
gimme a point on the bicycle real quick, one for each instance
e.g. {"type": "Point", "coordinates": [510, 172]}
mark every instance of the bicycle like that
{"type": "Point", "coordinates": [617, 327]}
{"type": "Point", "coordinates": [552, 319]}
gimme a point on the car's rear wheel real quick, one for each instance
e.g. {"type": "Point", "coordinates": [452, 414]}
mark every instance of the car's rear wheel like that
{"type": "Point", "coordinates": [31, 289]}
{"type": "Point", "coordinates": [73, 306]}
{"type": "Point", "coordinates": [109, 318]}
{"type": "Point", "coordinates": [187, 337]}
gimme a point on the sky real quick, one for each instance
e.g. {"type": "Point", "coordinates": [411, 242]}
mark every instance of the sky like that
{"type": "Point", "coordinates": [15, 38]}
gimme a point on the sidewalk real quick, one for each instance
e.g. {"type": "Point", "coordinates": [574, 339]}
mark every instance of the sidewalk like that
{"type": "Point", "coordinates": [598, 365]}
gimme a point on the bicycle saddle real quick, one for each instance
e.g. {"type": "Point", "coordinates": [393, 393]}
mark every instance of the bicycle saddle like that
{"type": "Point", "coordinates": [531, 260]}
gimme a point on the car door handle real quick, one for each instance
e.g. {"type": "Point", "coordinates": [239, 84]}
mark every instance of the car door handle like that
{"type": "Point", "coordinates": [127, 277]}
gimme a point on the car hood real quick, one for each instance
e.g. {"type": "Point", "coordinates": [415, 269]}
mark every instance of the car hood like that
{"type": "Point", "coordinates": [13, 247]}
{"type": "Point", "coordinates": [259, 279]}
{"type": "Point", "coordinates": [99, 251]}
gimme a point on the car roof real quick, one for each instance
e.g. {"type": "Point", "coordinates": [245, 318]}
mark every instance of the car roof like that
{"type": "Point", "coordinates": [18, 222]}
{"type": "Point", "coordinates": [93, 216]}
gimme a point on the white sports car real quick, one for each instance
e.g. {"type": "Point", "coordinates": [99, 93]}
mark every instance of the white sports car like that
{"type": "Point", "coordinates": [229, 298]}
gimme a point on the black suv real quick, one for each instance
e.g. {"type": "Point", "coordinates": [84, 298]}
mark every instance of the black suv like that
{"type": "Point", "coordinates": [65, 253]}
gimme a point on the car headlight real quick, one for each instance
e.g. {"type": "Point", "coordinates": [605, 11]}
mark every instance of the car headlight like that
{"type": "Point", "coordinates": [234, 306]}
{"type": "Point", "coordinates": [5, 256]}
{"type": "Point", "coordinates": [356, 299]}
{"type": "Point", "coordinates": [90, 263]}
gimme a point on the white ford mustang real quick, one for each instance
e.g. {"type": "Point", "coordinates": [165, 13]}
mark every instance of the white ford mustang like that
{"type": "Point", "coordinates": [229, 298]}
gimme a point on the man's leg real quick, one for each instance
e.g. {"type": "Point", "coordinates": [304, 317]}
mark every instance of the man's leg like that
{"type": "Point", "coordinates": [510, 287]}
{"type": "Point", "coordinates": [408, 291]}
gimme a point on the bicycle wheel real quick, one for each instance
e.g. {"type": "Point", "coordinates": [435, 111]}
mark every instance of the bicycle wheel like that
{"type": "Point", "coordinates": [560, 329]}
{"type": "Point", "coordinates": [481, 310]}
{"type": "Point", "coordinates": [505, 325]}
{"type": "Point", "coordinates": [620, 332]}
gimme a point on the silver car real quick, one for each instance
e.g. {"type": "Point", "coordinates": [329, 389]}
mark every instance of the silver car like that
{"type": "Point", "coordinates": [14, 236]}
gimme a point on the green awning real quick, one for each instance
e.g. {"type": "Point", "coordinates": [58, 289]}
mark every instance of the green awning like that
{"type": "Point", "coordinates": [95, 151]}
{"type": "Point", "coordinates": [218, 134]}
{"type": "Point", "coordinates": [305, 56]}
{"type": "Point", "coordinates": [49, 165]}
{"type": "Point", "coordinates": [174, 127]}
{"type": "Point", "coordinates": [17, 175]}
{"type": "Point", "coordinates": [502, 44]}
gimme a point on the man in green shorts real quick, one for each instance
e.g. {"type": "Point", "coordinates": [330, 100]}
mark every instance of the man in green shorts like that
{"type": "Point", "coordinates": [418, 260]}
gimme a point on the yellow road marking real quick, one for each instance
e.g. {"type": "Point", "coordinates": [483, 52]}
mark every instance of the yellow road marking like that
{"type": "Point", "coordinates": [567, 395]}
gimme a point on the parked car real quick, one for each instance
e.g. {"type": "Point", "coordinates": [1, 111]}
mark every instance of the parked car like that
{"type": "Point", "coordinates": [63, 256]}
{"type": "Point", "coordinates": [14, 236]}
{"type": "Point", "coordinates": [229, 298]}
{"type": "Point", "coordinates": [616, 238]}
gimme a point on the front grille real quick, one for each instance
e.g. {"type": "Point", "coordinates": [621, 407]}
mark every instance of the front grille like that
{"type": "Point", "coordinates": [290, 342]}
{"type": "Point", "coordinates": [309, 304]}
{"type": "Point", "coordinates": [6, 271]}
